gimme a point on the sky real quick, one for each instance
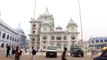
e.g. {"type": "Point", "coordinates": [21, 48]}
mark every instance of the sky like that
{"type": "Point", "coordinates": [93, 14]}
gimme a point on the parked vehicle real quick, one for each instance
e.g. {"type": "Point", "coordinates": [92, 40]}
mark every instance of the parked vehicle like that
{"type": "Point", "coordinates": [76, 50]}
{"type": "Point", "coordinates": [100, 58]}
{"type": "Point", "coordinates": [51, 51]}
{"type": "Point", "coordinates": [103, 55]}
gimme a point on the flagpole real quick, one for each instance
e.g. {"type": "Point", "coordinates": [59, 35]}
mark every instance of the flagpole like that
{"type": "Point", "coordinates": [80, 20]}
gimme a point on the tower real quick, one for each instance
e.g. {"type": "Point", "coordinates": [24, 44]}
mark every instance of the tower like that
{"type": "Point", "coordinates": [72, 26]}
{"type": "Point", "coordinates": [32, 35]}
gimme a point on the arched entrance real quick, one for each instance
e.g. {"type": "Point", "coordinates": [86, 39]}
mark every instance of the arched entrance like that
{"type": "Point", "coordinates": [2, 45]}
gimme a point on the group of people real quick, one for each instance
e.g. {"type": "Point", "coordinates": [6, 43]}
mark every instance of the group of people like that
{"type": "Point", "coordinates": [15, 52]}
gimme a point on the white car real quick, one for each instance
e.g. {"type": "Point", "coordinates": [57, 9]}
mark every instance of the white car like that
{"type": "Point", "coordinates": [51, 51]}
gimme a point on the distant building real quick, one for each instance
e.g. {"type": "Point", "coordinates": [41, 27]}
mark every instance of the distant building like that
{"type": "Point", "coordinates": [27, 44]}
{"type": "Point", "coordinates": [43, 32]}
{"type": "Point", "coordinates": [98, 42]}
{"type": "Point", "coordinates": [22, 37]}
{"type": "Point", "coordinates": [10, 36]}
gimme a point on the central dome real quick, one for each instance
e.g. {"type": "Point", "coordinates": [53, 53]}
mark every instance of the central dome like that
{"type": "Point", "coordinates": [71, 21]}
{"type": "Point", "coordinates": [46, 14]}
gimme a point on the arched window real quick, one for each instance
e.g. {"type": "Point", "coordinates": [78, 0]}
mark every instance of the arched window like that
{"type": "Point", "coordinates": [0, 33]}
{"type": "Point", "coordinates": [73, 37]}
{"type": "Point", "coordinates": [17, 40]}
{"type": "Point", "coordinates": [59, 45]}
{"type": "Point", "coordinates": [7, 37]}
{"type": "Point", "coordinates": [44, 37]}
{"type": "Point", "coordinates": [6, 45]}
{"type": "Point", "coordinates": [101, 41]}
{"type": "Point", "coordinates": [59, 37]}
{"type": "Point", "coordinates": [72, 28]}
{"type": "Point", "coordinates": [34, 26]}
{"type": "Point", "coordinates": [44, 47]}
{"type": "Point", "coordinates": [105, 40]}
{"type": "Point", "coordinates": [10, 38]}
{"type": "Point", "coordinates": [64, 37]}
{"type": "Point", "coordinates": [2, 45]}
{"type": "Point", "coordinates": [13, 39]}
{"type": "Point", "coordinates": [52, 38]}
{"type": "Point", "coordinates": [4, 35]}
{"type": "Point", "coordinates": [97, 41]}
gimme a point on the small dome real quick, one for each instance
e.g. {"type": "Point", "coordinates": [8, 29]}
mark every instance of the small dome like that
{"type": "Point", "coordinates": [46, 14]}
{"type": "Point", "coordinates": [58, 28]}
{"type": "Point", "coordinates": [71, 21]}
{"type": "Point", "coordinates": [19, 29]}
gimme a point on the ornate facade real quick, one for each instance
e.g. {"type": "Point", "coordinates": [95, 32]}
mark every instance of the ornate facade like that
{"type": "Point", "coordinates": [43, 33]}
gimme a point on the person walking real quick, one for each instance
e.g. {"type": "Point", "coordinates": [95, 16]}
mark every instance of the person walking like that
{"type": "Point", "coordinates": [92, 50]}
{"type": "Point", "coordinates": [33, 53]}
{"type": "Point", "coordinates": [8, 51]}
{"type": "Point", "coordinates": [17, 53]}
{"type": "Point", "coordinates": [13, 52]}
{"type": "Point", "coordinates": [64, 53]}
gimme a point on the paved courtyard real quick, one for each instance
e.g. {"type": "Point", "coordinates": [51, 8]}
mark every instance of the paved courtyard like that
{"type": "Point", "coordinates": [42, 57]}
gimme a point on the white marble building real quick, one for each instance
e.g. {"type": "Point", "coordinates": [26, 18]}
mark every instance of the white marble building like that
{"type": "Point", "coordinates": [46, 34]}
{"type": "Point", "coordinates": [10, 36]}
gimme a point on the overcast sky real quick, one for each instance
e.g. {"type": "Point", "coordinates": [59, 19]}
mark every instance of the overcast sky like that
{"type": "Point", "coordinates": [93, 14]}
